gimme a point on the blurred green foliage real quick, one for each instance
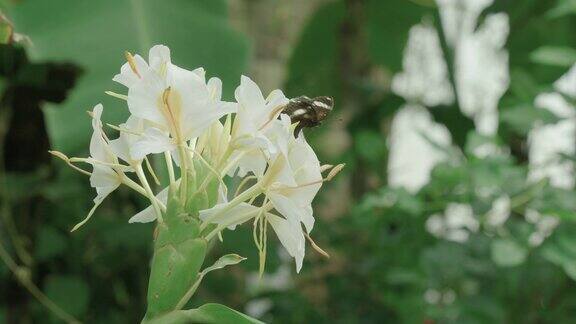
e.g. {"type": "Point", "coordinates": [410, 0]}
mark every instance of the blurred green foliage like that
{"type": "Point", "coordinates": [384, 266]}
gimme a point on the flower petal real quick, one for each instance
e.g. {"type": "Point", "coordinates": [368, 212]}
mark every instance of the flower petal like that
{"type": "Point", "coordinates": [291, 210]}
{"type": "Point", "coordinates": [145, 98]}
{"type": "Point", "coordinates": [290, 235]}
{"type": "Point", "coordinates": [103, 176]}
{"type": "Point", "coordinates": [148, 215]}
{"type": "Point", "coordinates": [235, 216]}
{"type": "Point", "coordinates": [153, 141]}
{"type": "Point", "coordinates": [127, 77]}
{"type": "Point", "coordinates": [159, 57]}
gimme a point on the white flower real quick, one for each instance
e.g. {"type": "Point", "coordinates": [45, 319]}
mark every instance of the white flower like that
{"type": "Point", "coordinates": [104, 178]}
{"type": "Point", "coordinates": [424, 79]}
{"type": "Point", "coordinates": [455, 225]}
{"type": "Point", "coordinates": [544, 226]}
{"type": "Point", "coordinates": [460, 17]}
{"type": "Point", "coordinates": [293, 180]}
{"type": "Point", "coordinates": [500, 211]}
{"type": "Point", "coordinates": [547, 142]}
{"type": "Point", "coordinates": [173, 109]}
{"type": "Point", "coordinates": [127, 139]}
{"type": "Point", "coordinates": [413, 153]}
{"type": "Point", "coordinates": [136, 67]}
{"type": "Point", "coordinates": [290, 183]}
{"type": "Point", "coordinates": [148, 214]}
{"type": "Point", "coordinates": [481, 75]}
{"type": "Point", "coordinates": [255, 117]}
{"type": "Point", "coordinates": [567, 83]}
{"type": "Point", "coordinates": [481, 61]}
{"type": "Point", "coordinates": [179, 103]}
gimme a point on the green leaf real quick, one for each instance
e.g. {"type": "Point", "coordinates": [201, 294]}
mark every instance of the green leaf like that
{"type": "Point", "coordinates": [563, 8]}
{"type": "Point", "coordinates": [554, 55]}
{"type": "Point", "coordinates": [523, 85]}
{"type": "Point", "coordinates": [521, 118]}
{"type": "Point", "coordinates": [560, 249]}
{"type": "Point", "coordinates": [224, 261]}
{"type": "Point", "coordinates": [50, 243]}
{"type": "Point", "coordinates": [95, 34]}
{"type": "Point", "coordinates": [508, 253]}
{"type": "Point", "coordinates": [556, 202]}
{"type": "Point", "coordinates": [69, 292]}
{"type": "Point", "coordinates": [206, 314]}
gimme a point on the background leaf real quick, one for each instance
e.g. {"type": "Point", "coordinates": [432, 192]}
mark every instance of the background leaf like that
{"type": "Point", "coordinates": [91, 35]}
{"type": "Point", "coordinates": [70, 293]}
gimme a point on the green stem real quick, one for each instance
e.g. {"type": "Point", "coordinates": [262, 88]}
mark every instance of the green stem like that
{"type": "Point", "coordinates": [183, 172]}
{"type": "Point", "coordinates": [170, 167]}
{"type": "Point", "coordinates": [190, 292]}
{"type": "Point", "coordinates": [150, 194]}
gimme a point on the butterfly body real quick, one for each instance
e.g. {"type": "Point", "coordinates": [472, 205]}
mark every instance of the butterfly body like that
{"type": "Point", "coordinates": [308, 112]}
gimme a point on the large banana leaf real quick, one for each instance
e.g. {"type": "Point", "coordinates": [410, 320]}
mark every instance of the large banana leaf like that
{"type": "Point", "coordinates": [95, 34]}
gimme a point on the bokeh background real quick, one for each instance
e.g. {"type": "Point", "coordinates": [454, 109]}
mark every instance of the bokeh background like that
{"type": "Point", "coordinates": [455, 118]}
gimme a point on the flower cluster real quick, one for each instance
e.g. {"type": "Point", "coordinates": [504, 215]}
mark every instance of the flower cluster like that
{"type": "Point", "coordinates": [180, 116]}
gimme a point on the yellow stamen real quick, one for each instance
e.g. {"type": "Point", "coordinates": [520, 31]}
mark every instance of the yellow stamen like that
{"type": "Point", "coordinates": [116, 95]}
{"type": "Point", "coordinates": [63, 157]}
{"type": "Point", "coordinates": [90, 213]}
{"type": "Point", "coordinates": [325, 167]}
{"type": "Point", "coordinates": [273, 115]}
{"type": "Point", "coordinates": [335, 171]}
{"type": "Point", "coordinates": [132, 63]}
{"type": "Point", "coordinates": [316, 247]}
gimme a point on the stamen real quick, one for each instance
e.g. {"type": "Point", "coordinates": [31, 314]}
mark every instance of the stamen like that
{"type": "Point", "coordinates": [316, 247]}
{"type": "Point", "coordinates": [262, 246]}
{"type": "Point", "coordinates": [335, 171]}
{"type": "Point", "coordinates": [132, 63]}
{"type": "Point", "coordinates": [273, 115]}
{"type": "Point", "coordinates": [90, 213]}
{"type": "Point", "coordinates": [94, 161]}
{"type": "Point", "coordinates": [330, 176]}
{"type": "Point", "coordinates": [254, 232]}
{"type": "Point", "coordinates": [326, 167]}
{"type": "Point", "coordinates": [171, 117]}
{"type": "Point", "coordinates": [63, 157]}
{"type": "Point", "coordinates": [166, 95]}
{"type": "Point", "coordinates": [117, 95]}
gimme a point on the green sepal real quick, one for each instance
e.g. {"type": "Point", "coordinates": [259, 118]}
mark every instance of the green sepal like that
{"type": "Point", "coordinates": [179, 225]}
{"type": "Point", "coordinates": [178, 256]}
